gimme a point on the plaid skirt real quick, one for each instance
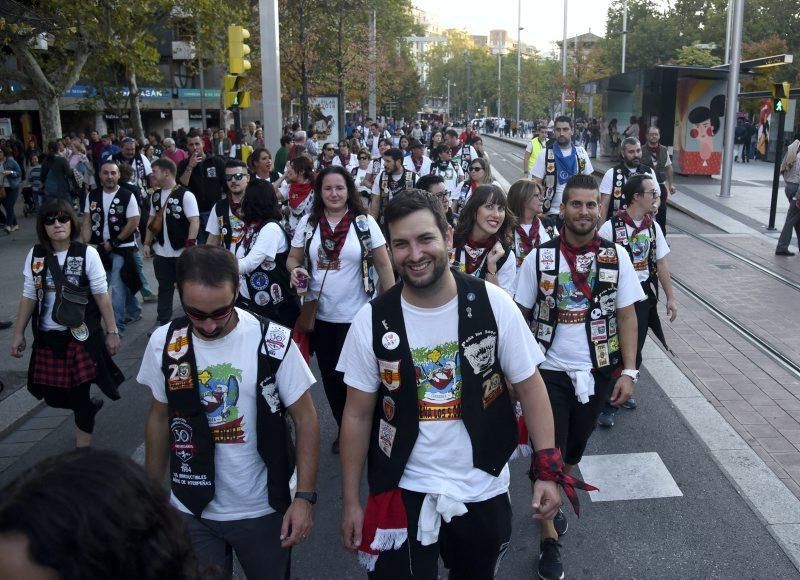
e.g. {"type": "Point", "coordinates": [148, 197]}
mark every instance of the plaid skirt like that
{"type": "Point", "coordinates": [64, 368]}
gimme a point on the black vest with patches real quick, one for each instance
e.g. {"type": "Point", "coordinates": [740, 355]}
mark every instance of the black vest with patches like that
{"type": "Point", "coordinates": [601, 320]}
{"type": "Point", "coordinates": [192, 445]}
{"type": "Point", "coordinates": [268, 285]}
{"type": "Point", "coordinates": [390, 188]}
{"type": "Point", "coordinates": [619, 233]}
{"type": "Point", "coordinates": [223, 209]}
{"type": "Point", "coordinates": [619, 178]}
{"type": "Point", "coordinates": [486, 407]}
{"type": "Point", "coordinates": [116, 215]}
{"type": "Point", "coordinates": [465, 158]}
{"type": "Point", "coordinates": [175, 216]}
{"type": "Point", "coordinates": [550, 180]}
{"type": "Point", "coordinates": [74, 269]}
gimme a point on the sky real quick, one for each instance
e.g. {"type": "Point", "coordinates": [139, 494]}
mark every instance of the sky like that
{"type": "Point", "coordinates": [543, 20]}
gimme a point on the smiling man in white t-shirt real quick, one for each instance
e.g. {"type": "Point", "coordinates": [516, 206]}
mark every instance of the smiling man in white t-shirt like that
{"type": "Point", "coordinates": [427, 366]}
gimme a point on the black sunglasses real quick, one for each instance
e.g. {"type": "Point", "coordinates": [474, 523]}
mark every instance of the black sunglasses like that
{"type": "Point", "coordinates": [235, 176]}
{"type": "Point", "coordinates": [61, 218]}
{"type": "Point", "coordinates": [363, 158]}
{"type": "Point", "coordinates": [218, 314]}
{"type": "Point", "coordinates": [476, 169]}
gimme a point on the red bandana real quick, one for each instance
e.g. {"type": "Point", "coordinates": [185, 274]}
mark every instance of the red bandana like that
{"type": "Point", "coordinates": [333, 240]}
{"type": "Point", "coordinates": [417, 166]}
{"type": "Point", "coordinates": [250, 230]}
{"type": "Point", "coordinates": [345, 159]}
{"type": "Point", "coordinates": [571, 254]}
{"type": "Point", "coordinates": [547, 465]}
{"type": "Point", "coordinates": [298, 192]}
{"type": "Point", "coordinates": [475, 253]}
{"type": "Point", "coordinates": [654, 151]}
{"type": "Point", "coordinates": [646, 222]}
{"type": "Point", "coordinates": [528, 242]}
{"type": "Point", "coordinates": [234, 205]}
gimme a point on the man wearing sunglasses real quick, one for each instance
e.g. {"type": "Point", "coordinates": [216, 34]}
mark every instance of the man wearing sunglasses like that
{"type": "Point", "coordinates": [204, 176]}
{"type": "Point", "coordinates": [174, 224]}
{"type": "Point", "coordinates": [224, 226]}
{"type": "Point", "coordinates": [221, 383]}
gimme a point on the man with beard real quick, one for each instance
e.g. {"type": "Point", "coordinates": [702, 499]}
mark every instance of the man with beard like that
{"type": "Point", "coordinates": [222, 382]}
{"type": "Point", "coordinates": [557, 162]}
{"type": "Point", "coordinates": [393, 179]}
{"type": "Point", "coordinates": [138, 162]}
{"type": "Point", "coordinates": [427, 366]}
{"type": "Point", "coordinates": [656, 156]}
{"type": "Point", "coordinates": [611, 198]}
{"type": "Point", "coordinates": [635, 230]}
{"type": "Point", "coordinates": [462, 153]}
{"type": "Point", "coordinates": [205, 177]}
{"type": "Point", "coordinates": [578, 293]}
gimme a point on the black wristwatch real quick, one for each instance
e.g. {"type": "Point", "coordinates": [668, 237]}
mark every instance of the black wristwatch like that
{"type": "Point", "coordinates": [309, 496]}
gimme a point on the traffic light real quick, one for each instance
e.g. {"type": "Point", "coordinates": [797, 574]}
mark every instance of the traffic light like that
{"type": "Point", "coordinates": [235, 95]}
{"type": "Point", "coordinates": [780, 97]}
{"type": "Point", "coordinates": [238, 50]}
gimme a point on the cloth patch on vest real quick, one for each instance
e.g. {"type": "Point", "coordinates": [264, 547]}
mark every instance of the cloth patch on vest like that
{"type": "Point", "coordinates": [612, 326]}
{"type": "Point", "coordinates": [74, 266]}
{"type": "Point", "coordinates": [607, 256]}
{"type": "Point", "coordinates": [386, 435]}
{"type": "Point", "coordinates": [607, 275]}
{"type": "Point", "coordinates": [388, 408]}
{"type": "Point", "coordinates": [37, 266]}
{"type": "Point", "coordinates": [277, 340]}
{"type": "Point", "coordinates": [622, 235]}
{"type": "Point", "coordinates": [276, 293]}
{"type": "Point", "coordinates": [601, 353]}
{"type": "Point", "coordinates": [179, 345]}
{"type": "Point", "coordinates": [180, 377]}
{"type": "Point", "coordinates": [598, 328]}
{"type": "Point", "coordinates": [544, 311]}
{"type": "Point", "coordinates": [608, 302]}
{"type": "Point", "coordinates": [390, 373]}
{"type": "Point", "coordinates": [547, 283]}
{"type": "Point", "coordinates": [80, 333]}
{"type": "Point", "coordinates": [613, 343]}
{"type": "Point", "coordinates": [362, 223]}
{"type": "Point", "coordinates": [269, 390]}
{"type": "Point", "coordinates": [480, 350]}
{"type": "Point", "coordinates": [261, 298]}
{"type": "Point", "coordinates": [547, 259]}
{"type": "Point", "coordinates": [492, 388]}
{"type": "Point", "coordinates": [545, 332]}
{"type": "Point", "coordinates": [259, 280]}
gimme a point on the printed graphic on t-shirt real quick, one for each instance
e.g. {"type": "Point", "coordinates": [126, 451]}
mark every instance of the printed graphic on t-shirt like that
{"type": "Point", "coordinates": [236, 229]}
{"type": "Point", "coordinates": [219, 393]}
{"type": "Point", "coordinates": [438, 373]}
{"type": "Point", "coordinates": [640, 248]}
{"type": "Point", "coordinates": [573, 306]}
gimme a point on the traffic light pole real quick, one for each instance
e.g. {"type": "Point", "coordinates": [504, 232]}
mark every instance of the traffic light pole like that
{"type": "Point", "coordinates": [270, 74]}
{"type": "Point", "coordinates": [776, 174]}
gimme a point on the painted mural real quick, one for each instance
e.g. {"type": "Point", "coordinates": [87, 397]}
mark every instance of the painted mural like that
{"type": "Point", "coordinates": [699, 118]}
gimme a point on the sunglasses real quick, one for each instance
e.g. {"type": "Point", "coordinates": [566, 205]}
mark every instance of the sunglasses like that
{"type": "Point", "coordinates": [218, 314]}
{"type": "Point", "coordinates": [234, 177]}
{"type": "Point", "coordinates": [60, 218]}
{"type": "Point", "coordinates": [363, 158]}
{"type": "Point", "coordinates": [475, 169]}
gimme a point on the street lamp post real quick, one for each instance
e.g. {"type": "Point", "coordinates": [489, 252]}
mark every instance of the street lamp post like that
{"type": "Point", "coordinates": [624, 32]}
{"type": "Point", "coordinates": [449, 83]}
{"type": "Point", "coordinates": [564, 64]}
{"type": "Point", "coordinates": [732, 98]}
{"type": "Point", "coordinates": [519, 53]}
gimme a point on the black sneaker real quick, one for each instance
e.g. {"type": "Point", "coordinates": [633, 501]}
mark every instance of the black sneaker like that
{"type": "Point", "coordinates": [606, 418]}
{"type": "Point", "coordinates": [550, 566]}
{"type": "Point", "coordinates": [560, 522]}
{"type": "Point", "coordinates": [630, 404]}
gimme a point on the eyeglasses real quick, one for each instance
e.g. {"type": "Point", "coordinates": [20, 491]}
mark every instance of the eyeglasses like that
{"type": "Point", "coordinates": [653, 193]}
{"type": "Point", "coordinates": [218, 314]}
{"type": "Point", "coordinates": [363, 158]}
{"type": "Point", "coordinates": [475, 169]}
{"type": "Point", "coordinates": [52, 219]}
{"type": "Point", "coordinates": [235, 176]}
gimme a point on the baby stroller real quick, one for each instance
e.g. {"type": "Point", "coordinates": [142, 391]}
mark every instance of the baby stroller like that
{"type": "Point", "coordinates": [28, 202]}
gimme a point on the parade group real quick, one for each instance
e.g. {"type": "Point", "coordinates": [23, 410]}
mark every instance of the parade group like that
{"type": "Point", "coordinates": [456, 326]}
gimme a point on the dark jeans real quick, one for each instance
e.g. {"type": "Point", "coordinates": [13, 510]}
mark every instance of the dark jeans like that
{"type": "Point", "coordinates": [165, 271]}
{"type": "Point", "coordinates": [661, 216]}
{"type": "Point", "coordinates": [472, 546]}
{"type": "Point", "coordinates": [327, 342]}
{"type": "Point", "coordinates": [12, 193]}
{"type": "Point", "coordinates": [77, 399]}
{"type": "Point", "coordinates": [792, 223]}
{"type": "Point", "coordinates": [256, 542]}
{"type": "Point", "coordinates": [202, 235]}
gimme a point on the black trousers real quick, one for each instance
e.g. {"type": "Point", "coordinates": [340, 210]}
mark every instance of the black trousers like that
{"type": "Point", "coordinates": [165, 270]}
{"type": "Point", "coordinates": [77, 399]}
{"type": "Point", "coordinates": [327, 342]}
{"type": "Point", "coordinates": [643, 310]}
{"type": "Point", "coordinates": [661, 215]}
{"type": "Point", "coordinates": [472, 546]}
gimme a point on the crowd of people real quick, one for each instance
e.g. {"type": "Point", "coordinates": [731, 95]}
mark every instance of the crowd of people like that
{"type": "Point", "coordinates": [455, 324]}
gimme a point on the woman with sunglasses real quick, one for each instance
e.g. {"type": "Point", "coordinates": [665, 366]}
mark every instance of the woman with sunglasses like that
{"type": "Point", "coordinates": [482, 241]}
{"type": "Point", "coordinates": [362, 175]}
{"type": "Point", "coordinates": [66, 361]}
{"type": "Point", "coordinates": [262, 251]}
{"type": "Point", "coordinates": [345, 158]}
{"type": "Point", "coordinates": [337, 248]}
{"type": "Point", "coordinates": [479, 173]}
{"type": "Point", "coordinates": [261, 165]}
{"type": "Point", "coordinates": [325, 158]}
{"type": "Point", "coordinates": [296, 187]}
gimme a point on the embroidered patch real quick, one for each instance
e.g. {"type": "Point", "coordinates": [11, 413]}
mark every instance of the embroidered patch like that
{"type": "Point", "coordinates": [179, 345]}
{"type": "Point", "coordinates": [607, 275]}
{"type": "Point", "coordinates": [612, 326]}
{"type": "Point", "coordinates": [608, 302]}
{"type": "Point", "coordinates": [81, 333]}
{"type": "Point", "coordinates": [601, 354]}
{"type": "Point", "coordinates": [362, 223]}
{"type": "Point", "coordinates": [547, 283]}
{"type": "Point", "coordinates": [613, 344]}
{"type": "Point", "coordinates": [621, 235]}
{"type": "Point", "coordinates": [544, 312]}
{"type": "Point", "coordinates": [480, 350]}
{"type": "Point", "coordinates": [276, 293]}
{"type": "Point", "coordinates": [596, 313]}
{"type": "Point", "coordinates": [277, 340]}
{"type": "Point", "coordinates": [607, 255]}
{"type": "Point", "coordinates": [550, 301]}
{"type": "Point", "coordinates": [37, 266]}
{"type": "Point", "coordinates": [261, 298]}
{"type": "Point", "coordinates": [390, 340]}
{"type": "Point", "coordinates": [598, 330]}
{"type": "Point", "coordinates": [74, 265]}
{"type": "Point", "coordinates": [492, 388]}
{"type": "Point", "coordinates": [259, 280]}
{"type": "Point", "coordinates": [547, 259]}
{"type": "Point", "coordinates": [389, 371]}
{"type": "Point", "coordinates": [269, 390]}
{"type": "Point", "coordinates": [180, 377]}
{"type": "Point", "coordinates": [545, 332]}
{"type": "Point", "coordinates": [388, 408]}
{"type": "Point", "coordinates": [182, 441]}
{"type": "Point", "coordinates": [386, 434]}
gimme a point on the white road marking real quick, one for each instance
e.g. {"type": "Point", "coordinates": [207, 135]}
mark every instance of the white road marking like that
{"type": "Point", "coordinates": [628, 476]}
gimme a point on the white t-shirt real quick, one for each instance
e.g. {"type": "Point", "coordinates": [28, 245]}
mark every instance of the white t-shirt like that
{"type": "Point", "coordinates": [393, 179]}
{"type": "Point", "coordinates": [270, 242]}
{"type": "Point", "coordinates": [190, 210]}
{"type": "Point", "coordinates": [212, 226]}
{"type": "Point", "coordinates": [640, 246]}
{"type": "Point", "coordinates": [607, 184]}
{"type": "Point", "coordinates": [227, 370]}
{"type": "Point", "coordinates": [343, 293]}
{"type": "Point", "coordinates": [441, 461]}
{"type": "Point", "coordinates": [352, 163]}
{"type": "Point", "coordinates": [94, 271]}
{"type": "Point", "coordinates": [539, 171]}
{"type": "Point", "coordinates": [570, 347]}
{"type": "Point", "coordinates": [425, 168]}
{"type": "Point", "coordinates": [453, 176]}
{"type": "Point", "coordinates": [131, 211]}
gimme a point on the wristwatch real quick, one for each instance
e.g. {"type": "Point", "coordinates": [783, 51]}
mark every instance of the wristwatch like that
{"type": "Point", "coordinates": [632, 373]}
{"type": "Point", "coordinates": [309, 496]}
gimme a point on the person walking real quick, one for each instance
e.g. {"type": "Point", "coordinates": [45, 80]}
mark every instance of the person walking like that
{"type": "Point", "coordinates": [66, 360]}
{"type": "Point", "coordinates": [656, 157]}
{"type": "Point", "coordinates": [790, 169]}
{"type": "Point", "coordinates": [222, 382]}
{"type": "Point", "coordinates": [614, 179]}
{"type": "Point", "coordinates": [10, 180]}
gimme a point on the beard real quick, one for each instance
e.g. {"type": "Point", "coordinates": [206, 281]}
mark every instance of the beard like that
{"type": "Point", "coordinates": [579, 229]}
{"type": "Point", "coordinates": [440, 266]}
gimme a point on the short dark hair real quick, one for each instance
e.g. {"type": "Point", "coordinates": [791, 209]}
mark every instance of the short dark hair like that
{"type": "Point", "coordinates": [229, 163]}
{"type": "Point", "coordinates": [251, 161]}
{"type": "Point", "coordinates": [635, 185]}
{"type": "Point", "coordinates": [410, 200]}
{"type": "Point", "coordinates": [438, 150]}
{"type": "Point", "coordinates": [166, 164]}
{"type": "Point", "coordinates": [354, 201]}
{"type": "Point", "coordinates": [579, 181]}
{"type": "Point", "coordinates": [426, 181]}
{"type": "Point", "coordinates": [304, 166]}
{"type": "Point", "coordinates": [395, 153]}
{"type": "Point", "coordinates": [53, 207]}
{"type": "Point", "coordinates": [563, 119]}
{"type": "Point", "coordinates": [96, 514]}
{"type": "Point", "coordinates": [384, 140]}
{"type": "Point", "coordinates": [207, 265]}
{"type": "Point", "coordinates": [260, 202]}
{"type": "Point", "coordinates": [451, 133]}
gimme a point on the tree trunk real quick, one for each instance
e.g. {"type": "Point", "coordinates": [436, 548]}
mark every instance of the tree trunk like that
{"type": "Point", "coordinates": [136, 109]}
{"type": "Point", "coordinates": [303, 67]}
{"type": "Point", "coordinates": [340, 68]}
{"type": "Point", "coordinates": [49, 117]}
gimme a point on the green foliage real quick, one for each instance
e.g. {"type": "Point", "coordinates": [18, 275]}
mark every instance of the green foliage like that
{"type": "Point", "coordinates": [694, 56]}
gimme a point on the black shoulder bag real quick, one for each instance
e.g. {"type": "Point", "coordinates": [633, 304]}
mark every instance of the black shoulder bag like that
{"type": "Point", "coordinates": [69, 308]}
